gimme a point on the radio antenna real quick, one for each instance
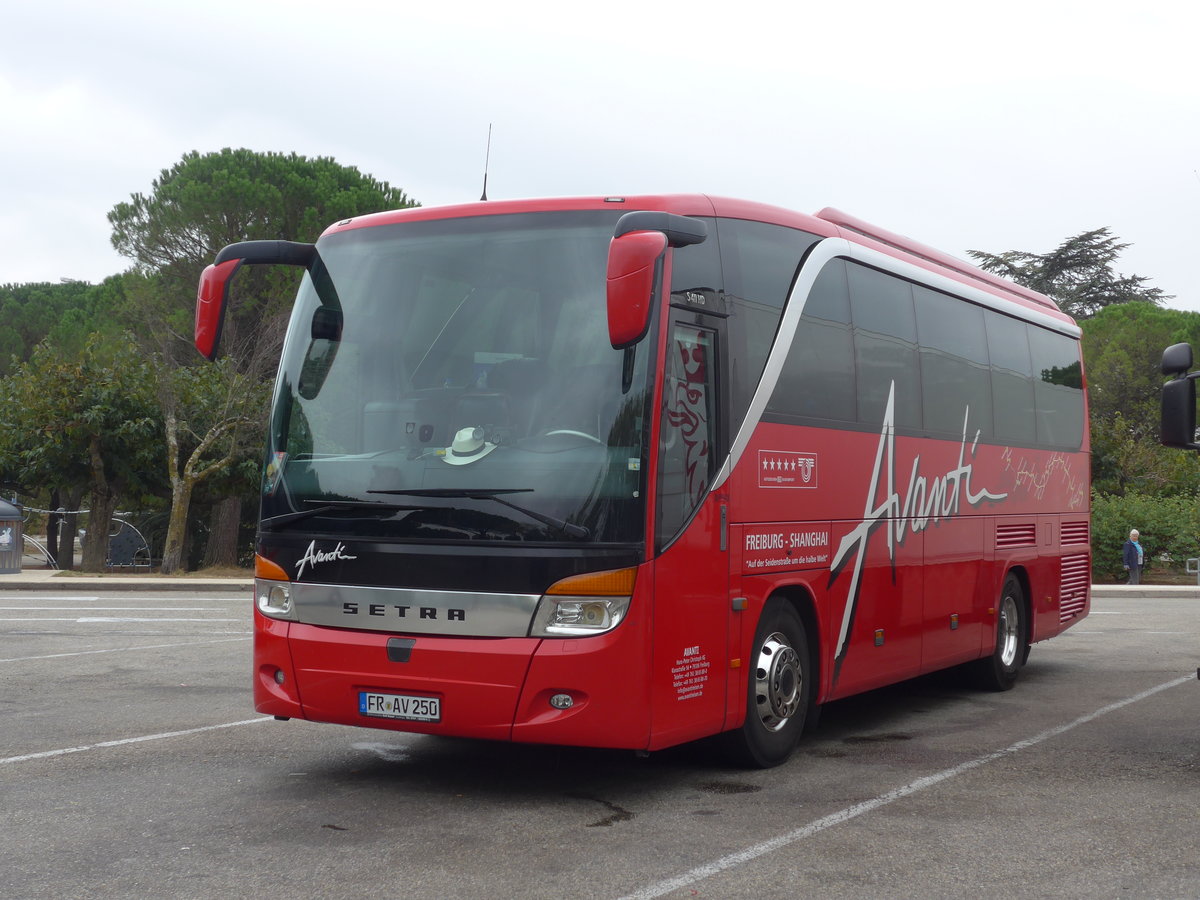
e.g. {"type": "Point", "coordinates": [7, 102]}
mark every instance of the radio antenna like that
{"type": "Point", "coordinates": [486, 160]}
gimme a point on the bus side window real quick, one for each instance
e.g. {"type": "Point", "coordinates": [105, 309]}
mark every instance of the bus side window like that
{"type": "Point", "coordinates": [760, 262]}
{"type": "Point", "coordinates": [818, 379]}
{"type": "Point", "coordinates": [955, 376]}
{"type": "Point", "coordinates": [1057, 389]}
{"type": "Point", "coordinates": [689, 404]}
{"type": "Point", "coordinates": [1012, 380]}
{"type": "Point", "coordinates": [885, 346]}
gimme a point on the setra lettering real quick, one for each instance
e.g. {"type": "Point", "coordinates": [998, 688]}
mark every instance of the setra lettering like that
{"type": "Point", "coordinates": [381, 610]}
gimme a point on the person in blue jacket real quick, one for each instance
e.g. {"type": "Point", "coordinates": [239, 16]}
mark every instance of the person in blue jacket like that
{"type": "Point", "coordinates": [1133, 558]}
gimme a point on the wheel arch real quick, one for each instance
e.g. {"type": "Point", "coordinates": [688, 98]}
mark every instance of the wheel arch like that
{"type": "Point", "coordinates": [801, 599]}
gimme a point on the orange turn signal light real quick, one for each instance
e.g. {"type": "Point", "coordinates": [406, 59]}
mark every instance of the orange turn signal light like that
{"type": "Point", "coordinates": [613, 583]}
{"type": "Point", "coordinates": [264, 568]}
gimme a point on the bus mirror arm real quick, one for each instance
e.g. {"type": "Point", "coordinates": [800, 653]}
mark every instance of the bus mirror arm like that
{"type": "Point", "coordinates": [680, 231]}
{"type": "Point", "coordinates": [213, 292]}
{"type": "Point", "coordinates": [635, 256]}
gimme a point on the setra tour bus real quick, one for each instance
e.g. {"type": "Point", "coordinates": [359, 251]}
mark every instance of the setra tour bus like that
{"type": "Point", "coordinates": [627, 472]}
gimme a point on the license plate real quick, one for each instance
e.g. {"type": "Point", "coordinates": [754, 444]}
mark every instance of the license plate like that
{"type": "Point", "coordinates": [400, 706]}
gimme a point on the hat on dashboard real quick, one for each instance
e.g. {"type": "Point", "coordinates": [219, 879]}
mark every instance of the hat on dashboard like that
{"type": "Point", "coordinates": [468, 446]}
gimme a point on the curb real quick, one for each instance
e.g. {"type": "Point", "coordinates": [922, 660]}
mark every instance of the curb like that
{"type": "Point", "coordinates": [1145, 592]}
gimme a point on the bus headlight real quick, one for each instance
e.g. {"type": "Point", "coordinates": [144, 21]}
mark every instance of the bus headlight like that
{"type": "Point", "coordinates": [584, 604]}
{"type": "Point", "coordinates": [274, 599]}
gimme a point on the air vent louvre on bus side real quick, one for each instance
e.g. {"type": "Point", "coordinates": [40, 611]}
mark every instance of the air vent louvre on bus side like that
{"type": "Point", "coordinates": [1075, 533]}
{"type": "Point", "coordinates": [1009, 537]}
{"type": "Point", "coordinates": [1073, 586]}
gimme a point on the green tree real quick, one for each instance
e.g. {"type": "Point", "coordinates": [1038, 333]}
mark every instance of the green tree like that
{"type": "Point", "coordinates": [209, 414]}
{"type": "Point", "coordinates": [207, 201]}
{"type": "Point", "coordinates": [1122, 352]}
{"type": "Point", "coordinates": [1169, 527]}
{"type": "Point", "coordinates": [1121, 463]}
{"type": "Point", "coordinates": [84, 424]}
{"type": "Point", "coordinates": [201, 204]}
{"type": "Point", "coordinates": [1078, 274]}
{"type": "Point", "coordinates": [1122, 349]}
{"type": "Point", "coordinates": [65, 316]}
{"type": "Point", "coordinates": [29, 313]}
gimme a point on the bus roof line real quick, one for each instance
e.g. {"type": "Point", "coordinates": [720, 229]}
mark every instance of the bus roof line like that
{"type": "Point", "coordinates": [930, 255]}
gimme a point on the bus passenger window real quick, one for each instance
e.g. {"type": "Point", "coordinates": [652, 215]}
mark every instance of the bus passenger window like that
{"type": "Point", "coordinates": [885, 345]}
{"type": "Point", "coordinates": [818, 379]}
{"type": "Point", "coordinates": [759, 263]}
{"type": "Point", "coordinates": [1057, 389]}
{"type": "Point", "coordinates": [1012, 380]}
{"type": "Point", "coordinates": [955, 376]}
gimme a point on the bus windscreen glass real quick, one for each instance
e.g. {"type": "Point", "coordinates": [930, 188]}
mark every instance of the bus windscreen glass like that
{"type": "Point", "coordinates": [452, 380]}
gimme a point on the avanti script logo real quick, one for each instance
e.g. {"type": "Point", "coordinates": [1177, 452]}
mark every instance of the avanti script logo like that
{"type": "Point", "coordinates": [927, 501]}
{"type": "Point", "coordinates": [312, 556]}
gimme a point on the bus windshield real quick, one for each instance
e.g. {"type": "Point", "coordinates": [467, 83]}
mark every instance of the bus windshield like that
{"type": "Point", "coordinates": [452, 380]}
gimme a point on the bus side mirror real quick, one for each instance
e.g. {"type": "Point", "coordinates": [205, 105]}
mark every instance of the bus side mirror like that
{"type": "Point", "coordinates": [211, 297]}
{"type": "Point", "coordinates": [633, 266]}
{"type": "Point", "coordinates": [1179, 414]}
{"type": "Point", "coordinates": [213, 292]}
{"type": "Point", "coordinates": [1177, 359]}
{"type": "Point", "coordinates": [1178, 424]}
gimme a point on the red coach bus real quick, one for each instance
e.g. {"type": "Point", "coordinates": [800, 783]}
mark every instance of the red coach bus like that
{"type": "Point", "coordinates": [630, 471]}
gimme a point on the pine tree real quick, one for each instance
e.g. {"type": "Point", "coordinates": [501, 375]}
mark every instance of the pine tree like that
{"type": "Point", "coordinates": [1078, 274]}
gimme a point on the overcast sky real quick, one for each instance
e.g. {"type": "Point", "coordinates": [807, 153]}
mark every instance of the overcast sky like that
{"type": "Point", "coordinates": [997, 126]}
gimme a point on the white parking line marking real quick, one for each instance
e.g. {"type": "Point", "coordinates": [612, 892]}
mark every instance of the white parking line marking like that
{"type": "Point", "coordinates": [114, 619]}
{"type": "Point", "coordinates": [112, 608]}
{"type": "Point", "coordinates": [66, 599]}
{"type": "Point", "coordinates": [75, 598]}
{"type": "Point", "coordinates": [777, 843]}
{"type": "Point", "coordinates": [149, 619]}
{"type": "Point", "coordinates": [46, 754]}
{"type": "Point", "coordinates": [123, 649]}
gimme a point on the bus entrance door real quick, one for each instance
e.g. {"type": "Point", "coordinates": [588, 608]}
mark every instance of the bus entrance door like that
{"type": "Point", "coordinates": [691, 575]}
{"type": "Point", "coordinates": [691, 634]}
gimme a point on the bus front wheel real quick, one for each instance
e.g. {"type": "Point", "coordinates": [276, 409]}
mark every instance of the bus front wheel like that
{"type": "Point", "coordinates": [778, 692]}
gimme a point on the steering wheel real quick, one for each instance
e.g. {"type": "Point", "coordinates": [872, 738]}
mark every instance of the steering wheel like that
{"type": "Point", "coordinates": [573, 433]}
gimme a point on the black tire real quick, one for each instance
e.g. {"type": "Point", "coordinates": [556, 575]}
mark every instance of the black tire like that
{"type": "Point", "coordinates": [998, 672]}
{"type": "Point", "coordinates": [779, 690]}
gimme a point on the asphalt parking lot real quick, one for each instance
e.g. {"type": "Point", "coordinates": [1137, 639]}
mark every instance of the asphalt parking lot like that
{"type": "Point", "coordinates": [131, 764]}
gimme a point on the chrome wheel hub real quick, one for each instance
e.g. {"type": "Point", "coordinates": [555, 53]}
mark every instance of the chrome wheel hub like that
{"type": "Point", "coordinates": [778, 682]}
{"type": "Point", "coordinates": [1009, 639]}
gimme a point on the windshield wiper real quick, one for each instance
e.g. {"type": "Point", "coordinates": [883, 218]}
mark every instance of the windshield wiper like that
{"type": "Point", "coordinates": [320, 507]}
{"type": "Point", "coordinates": [569, 529]}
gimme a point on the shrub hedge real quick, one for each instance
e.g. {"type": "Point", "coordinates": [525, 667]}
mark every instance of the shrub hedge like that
{"type": "Point", "coordinates": [1169, 526]}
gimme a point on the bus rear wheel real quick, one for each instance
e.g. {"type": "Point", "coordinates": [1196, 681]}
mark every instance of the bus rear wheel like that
{"type": "Point", "coordinates": [778, 692]}
{"type": "Point", "coordinates": [998, 671]}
